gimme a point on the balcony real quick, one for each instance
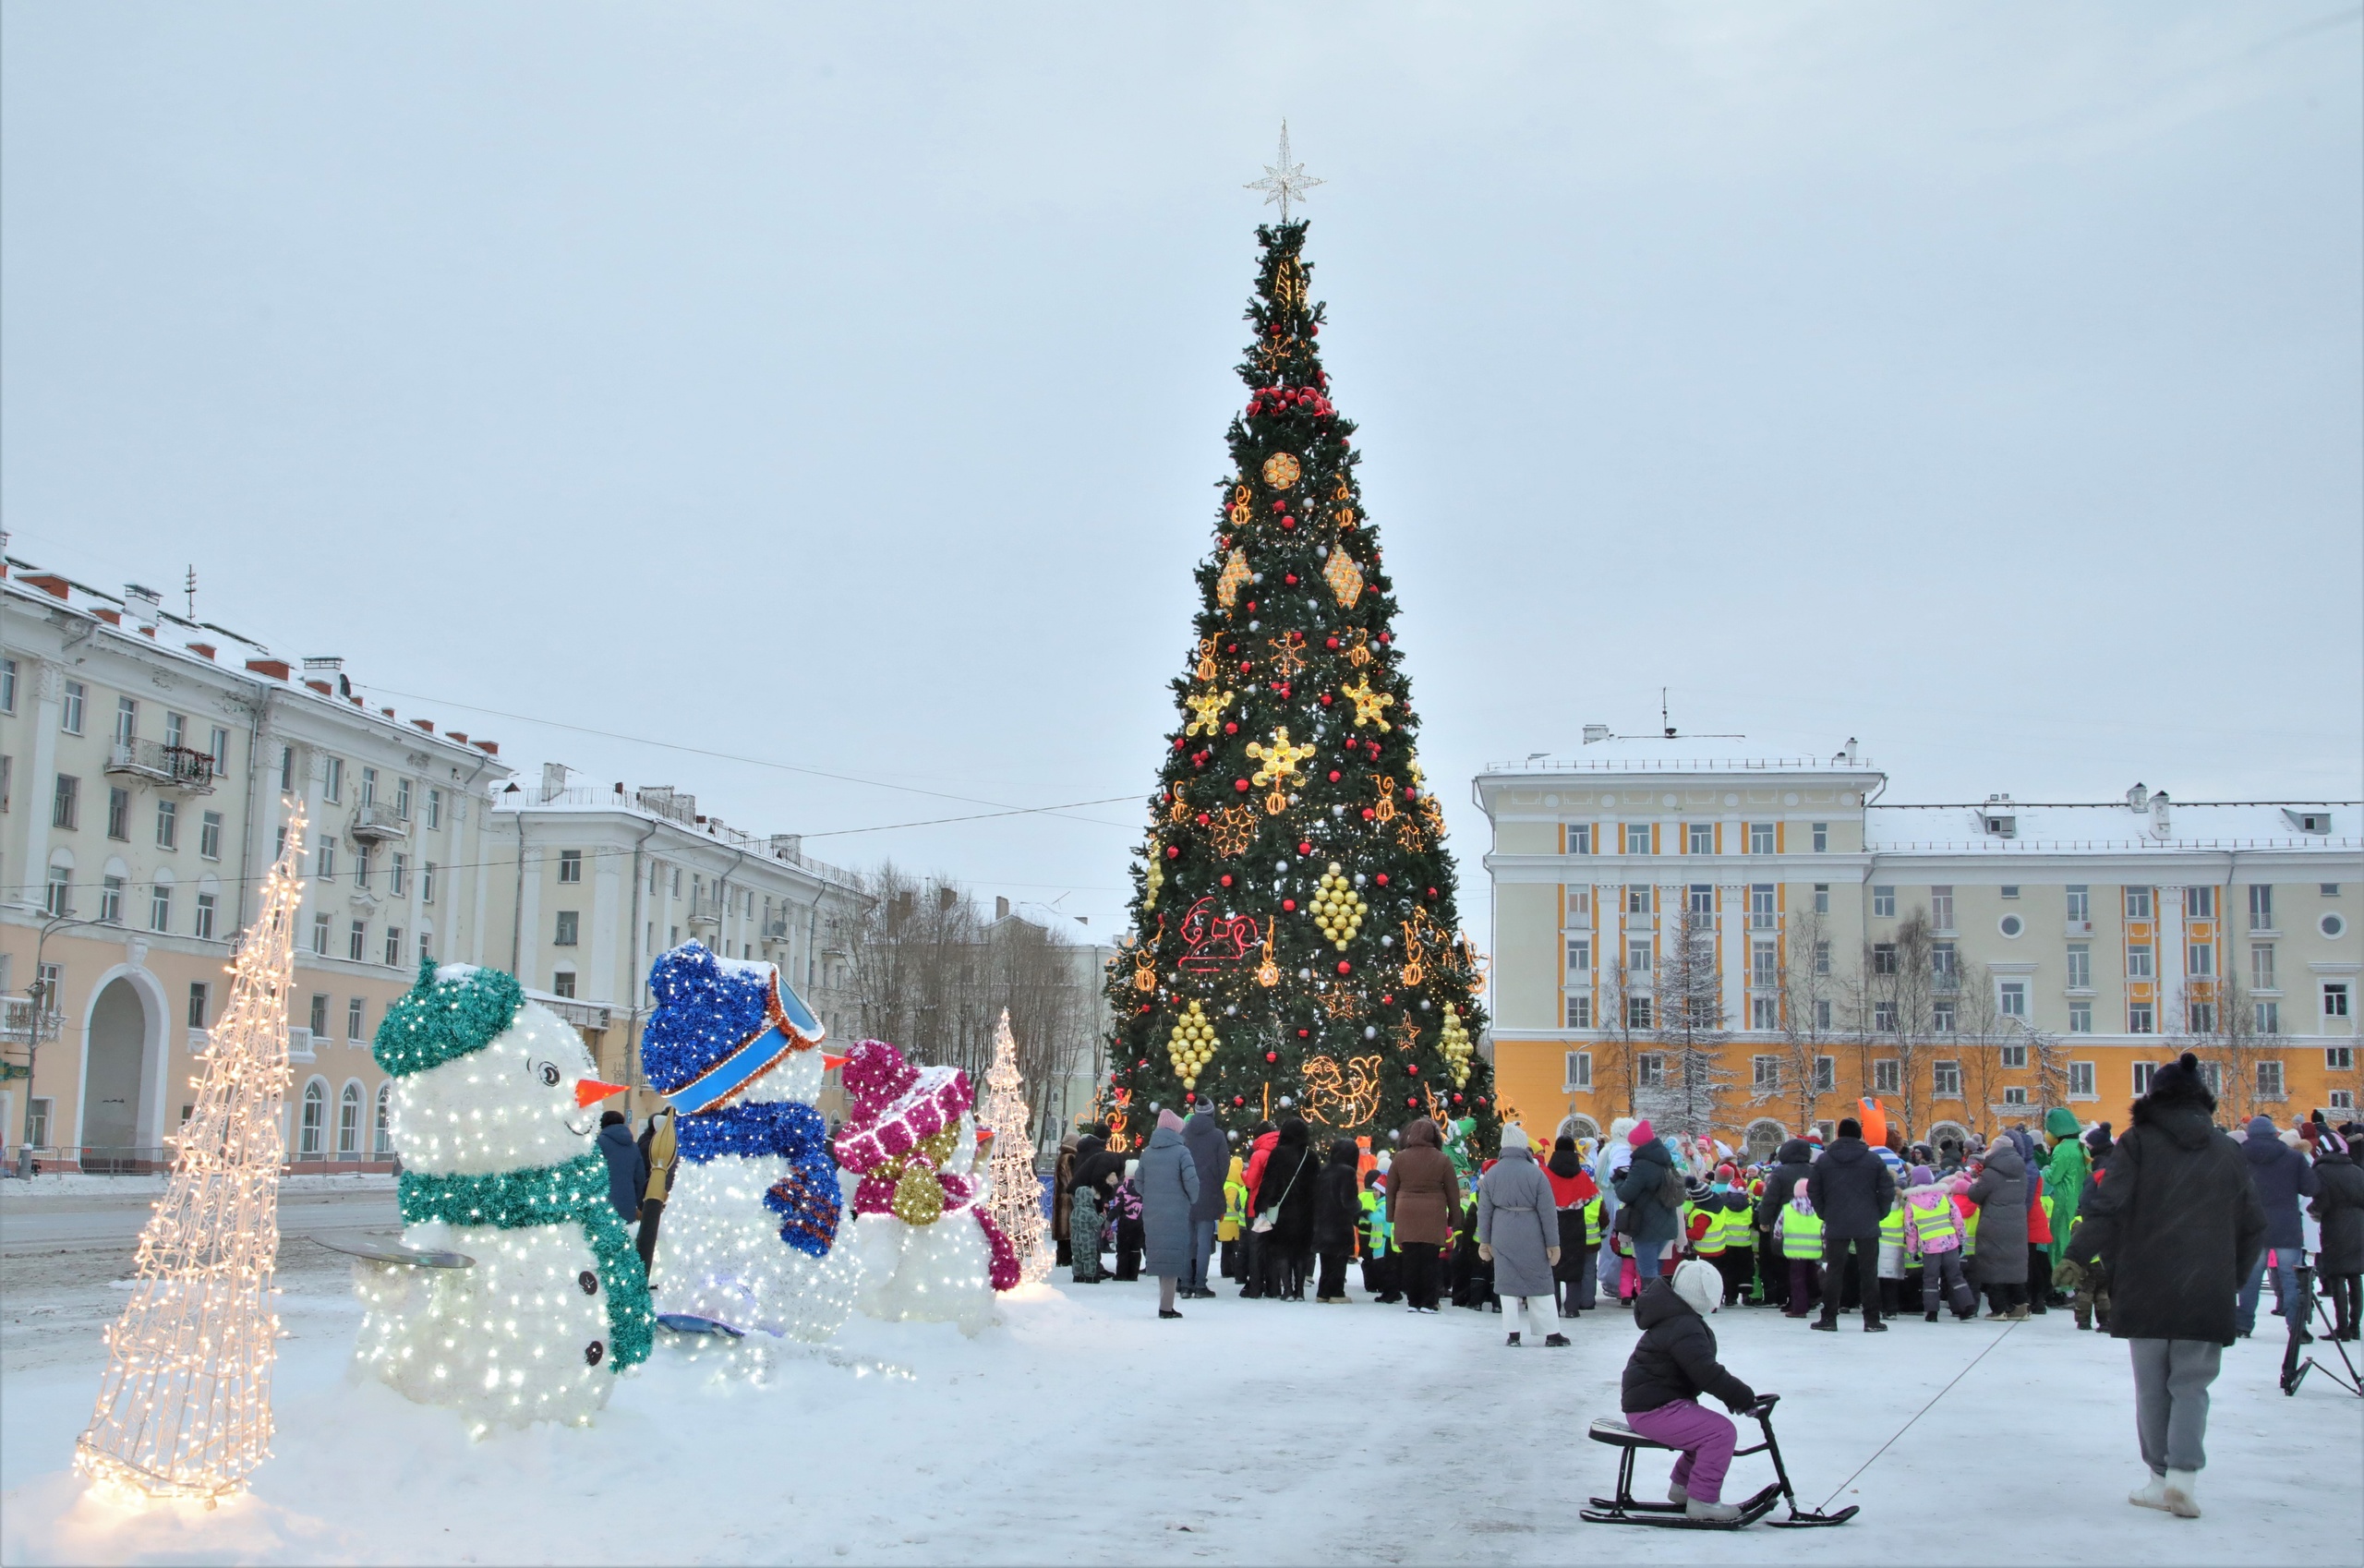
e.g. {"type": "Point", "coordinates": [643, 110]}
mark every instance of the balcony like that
{"type": "Point", "coordinates": [706, 909]}
{"type": "Point", "coordinates": [17, 1019]}
{"type": "Point", "coordinates": [375, 822]}
{"type": "Point", "coordinates": [2078, 927]}
{"type": "Point", "coordinates": [176, 767]}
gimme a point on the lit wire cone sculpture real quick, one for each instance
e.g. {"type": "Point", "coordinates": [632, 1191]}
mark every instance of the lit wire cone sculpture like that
{"type": "Point", "coordinates": [185, 1408]}
{"type": "Point", "coordinates": [1016, 1203]}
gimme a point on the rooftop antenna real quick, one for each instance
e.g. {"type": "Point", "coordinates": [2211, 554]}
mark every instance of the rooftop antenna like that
{"type": "Point", "coordinates": [189, 586]}
{"type": "Point", "coordinates": [1664, 723]}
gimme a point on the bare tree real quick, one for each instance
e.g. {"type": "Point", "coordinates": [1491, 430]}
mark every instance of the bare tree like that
{"type": "Point", "coordinates": [1812, 994]}
{"type": "Point", "coordinates": [1978, 1034]}
{"type": "Point", "coordinates": [2218, 1023]}
{"type": "Point", "coordinates": [1626, 1033]}
{"type": "Point", "coordinates": [1691, 1030]}
{"type": "Point", "coordinates": [1898, 996]}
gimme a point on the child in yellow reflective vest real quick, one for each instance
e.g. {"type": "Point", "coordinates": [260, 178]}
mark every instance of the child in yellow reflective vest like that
{"type": "Point", "coordinates": [1933, 1230]}
{"type": "Point", "coordinates": [1894, 1256]}
{"type": "Point", "coordinates": [1730, 1242]}
{"type": "Point", "coordinates": [1377, 1239]}
{"type": "Point", "coordinates": [1235, 1217]}
{"type": "Point", "coordinates": [1800, 1230]}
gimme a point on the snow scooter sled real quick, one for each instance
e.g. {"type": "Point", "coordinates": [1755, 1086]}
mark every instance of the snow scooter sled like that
{"type": "Point", "coordinates": [1625, 1509]}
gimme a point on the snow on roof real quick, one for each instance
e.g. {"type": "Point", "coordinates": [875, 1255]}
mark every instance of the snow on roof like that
{"type": "Point", "coordinates": [1679, 754]}
{"type": "Point", "coordinates": [2002, 825]}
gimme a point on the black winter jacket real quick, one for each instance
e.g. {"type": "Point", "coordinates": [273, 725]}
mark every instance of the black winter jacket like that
{"type": "Point", "coordinates": [1852, 1188]}
{"type": "Point", "coordinates": [2340, 1206]}
{"type": "Point", "coordinates": [1794, 1164]}
{"type": "Point", "coordinates": [2176, 1221]}
{"type": "Point", "coordinates": [1287, 1187]}
{"type": "Point", "coordinates": [2282, 1176]}
{"type": "Point", "coordinates": [1338, 1199]}
{"type": "Point", "coordinates": [1640, 1189]}
{"type": "Point", "coordinates": [1676, 1356]}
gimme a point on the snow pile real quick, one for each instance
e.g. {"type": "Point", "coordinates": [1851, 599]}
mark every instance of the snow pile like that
{"type": "Point", "coordinates": [1088, 1431]}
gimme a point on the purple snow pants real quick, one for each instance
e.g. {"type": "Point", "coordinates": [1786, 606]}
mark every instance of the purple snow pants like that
{"type": "Point", "coordinates": [1707, 1440]}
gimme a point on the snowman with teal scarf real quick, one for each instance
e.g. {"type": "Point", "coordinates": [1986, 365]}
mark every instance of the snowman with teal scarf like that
{"type": "Point", "coordinates": [495, 1105]}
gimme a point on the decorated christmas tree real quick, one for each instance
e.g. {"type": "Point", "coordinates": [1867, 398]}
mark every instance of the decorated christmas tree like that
{"type": "Point", "coordinates": [1016, 1202]}
{"type": "Point", "coordinates": [1295, 942]}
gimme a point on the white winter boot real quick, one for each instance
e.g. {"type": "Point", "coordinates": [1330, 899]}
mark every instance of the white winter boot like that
{"type": "Point", "coordinates": [2183, 1493]}
{"type": "Point", "coordinates": [1711, 1513]}
{"type": "Point", "coordinates": [2153, 1494]}
{"type": "Point", "coordinates": [1677, 1492]}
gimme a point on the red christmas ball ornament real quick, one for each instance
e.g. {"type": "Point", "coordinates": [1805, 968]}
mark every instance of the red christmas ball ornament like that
{"type": "Point", "coordinates": [1245, 667]}
{"type": "Point", "coordinates": [1251, 607]}
{"type": "Point", "coordinates": [1432, 892]}
{"type": "Point", "coordinates": [1280, 506]}
{"type": "Point", "coordinates": [1387, 1001]}
{"type": "Point", "coordinates": [1189, 1096]}
{"type": "Point", "coordinates": [1272, 1055]}
{"type": "Point", "coordinates": [1179, 743]}
{"type": "Point", "coordinates": [1240, 1099]}
{"type": "Point", "coordinates": [1290, 578]}
{"type": "Point", "coordinates": [1325, 699]}
{"type": "Point", "coordinates": [1368, 814]}
{"type": "Point", "coordinates": [1382, 637]}
{"type": "Point", "coordinates": [1304, 1034]}
{"type": "Point", "coordinates": [1285, 522]}
{"type": "Point", "coordinates": [1240, 785]}
{"type": "Point", "coordinates": [1412, 1100]}
{"type": "Point", "coordinates": [1457, 1099]}
{"type": "Point", "coordinates": [1331, 645]}
{"type": "Point", "coordinates": [1231, 727]}
{"type": "Point", "coordinates": [1381, 879]}
{"type": "Point", "coordinates": [1481, 1101]}
{"type": "Point", "coordinates": [1334, 775]}
{"type": "Point", "coordinates": [1288, 906]}
{"type": "Point", "coordinates": [1410, 793]}
{"type": "Point", "coordinates": [1174, 851]}
{"type": "Point", "coordinates": [1346, 967]}
{"type": "Point", "coordinates": [1204, 819]}
{"type": "Point", "coordinates": [1227, 879]}
{"type": "Point", "coordinates": [1145, 1008]}
{"type": "Point", "coordinates": [1303, 848]}
{"type": "Point", "coordinates": [1142, 1063]}
{"type": "Point", "coordinates": [1412, 1067]}
{"type": "Point", "coordinates": [1282, 687]}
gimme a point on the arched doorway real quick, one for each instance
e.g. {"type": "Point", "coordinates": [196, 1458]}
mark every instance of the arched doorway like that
{"type": "Point", "coordinates": [1765, 1137]}
{"type": "Point", "coordinates": [115, 1083]}
{"type": "Point", "coordinates": [1578, 1128]}
{"type": "Point", "coordinates": [1942, 1131]}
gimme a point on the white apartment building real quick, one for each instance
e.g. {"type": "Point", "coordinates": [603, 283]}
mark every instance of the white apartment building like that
{"type": "Point", "coordinates": [2102, 937]}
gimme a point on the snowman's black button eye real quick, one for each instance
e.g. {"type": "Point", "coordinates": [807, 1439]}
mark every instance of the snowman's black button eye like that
{"type": "Point", "coordinates": [550, 1074]}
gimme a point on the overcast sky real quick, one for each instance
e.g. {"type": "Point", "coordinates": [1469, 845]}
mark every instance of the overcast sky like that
{"type": "Point", "coordinates": [844, 387]}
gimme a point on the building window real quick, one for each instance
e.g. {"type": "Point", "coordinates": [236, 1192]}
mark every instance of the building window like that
{"type": "Point", "coordinates": [8, 685]}
{"type": "Point", "coordinates": [1888, 1076]}
{"type": "Point", "coordinates": [57, 898]}
{"type": "Point", "coordinates": [2339, 1058]}
{"type": "Point", "coordinates": [119, 814]}
{"type": "Point", "coordinates": [2010, 890]}
{"type": "Point", "coordinates": [2015, 1095]}
{"type": "Point", "coordinates": [2015, 1057]}
{"type": "Point", "coordinates": [1941, 1016]}
{"type": "Point", "coordinates": [364, 860]}
{"type": "Point", "coordinates": [382, 1144]}
{"type": "Point", "coordinates": [1579, 906]}
{"type": "Point", "coordinates": [1703, 838]}
{"type": "Point", "coordinates": [2138, 961]}
{"type": "Point", "coordinates": [1637, 1012]}
{"type": "Point", "coordinates": [2269, 1080]}
{"type": "Point", "coordinates": [1945, 1080]}
{"type": "Point", "coordinates": [286, 770]}
{"type": "Point", "coordinates": [1579, 843]}
{"type": "Point", "coordinates": [321, 935]}
{"type": "Point", "coordinates": [324, 860]}
{"type": "Point", "coordinates": [427, 883]}
{"type": "Point", "coordinates": [2200, 959]}
{"type": "Point", "coordinates": [2142, 1071]}
{"type": "Point", "coordinates": [1884, 903]}
{"type": "Point", "coordinates": [1652, 1066]}
{"type": "Point", "coordinates": [2266, 1016]}
{"type": "Point", "coordinates": [2261, 967]}
{"type": "Point", "coordinates": [159, 907]}
{"type": "Point", "coordinates": [313, 1127]}
{"type": "Point", "coordinates": [569, 865]}
{"type": "Point", "coordinates": [2341, 1099]}
{"type": "Point", "coordinates": [354, 1007]}
{"type": "Point", "coordinates": [1761, 915]}
{"type": "Point", "coordinates": [1761, 963]}
{"type": "Point", "coordinates": [1941, 907]}
{"type": "Point", "coordinates": [201, 997]}
{"type": "Point", "coordinates": [1760, 838]}
{"type": "Point", "coordinates": [2330, 889]}
{"type": "Point", "coordinates": [676, 888]}
{"type": "Point", "coordinates": [1577, 1070]}
{"type": "Point", "coordinates": [1826, 1075]}
{"type": "Point", "coordinates": [2199, 903]}
{"type": "Point", "coordinates": [2137, 903]}
{"type": "Point", "coordinates": [425, 945]}
{"type": "Point", "coordinates": [356, 941]}
{"type": "Point", "coordinates": [332, 778]}
{"type": "Point", "coordinates": [394, 946]}
{"type": "Point", "coordinates": [1765, 1074]}
{"type": "Point", "coordinates": [2081, 906]}
{"type": "Point", "coordinates": [1821, 837]}
{"type": "Point", "coordinates": [1579, 1013]}
{"type": "Point", "coordinates": [1822, 897]}
{"type": "Point", "coordinates": [176, 730]}
{"type": "Point", "coordinates": [2080, 966]}
{"type": "Point", "coordinates": [208, 836]}
{"type": "Point", "coordinates": [401, 799]}
{"type": "Point", "coordinates": [369, 786]}
{"type": "Point", "coordinates": [562, 982]}
{"type": "Point", "coordinates": [1884, 1017]}
{"type": "Point", "coordinates": [435, 808]}
{"type": "Point", "coordinates": [1637, 956]}
{"type": "Point", "coordinates": [2138, 1020]}
{"type": "Point", "coordinates": [398, 880]}
{"type": "Point", "coordinates": [348, 1122]}
{"type": "Point", "coordinates": [205, 906]}
{"type": "Point", "coordinates": [2013, 998]}
{"type": "Point", "coordinates": [168, 825]}
{"type": "Point", "coordinates": [1822, 1012]}
{"type": "Point", "coordinates": [1882, 958]}
{"type": "Point", "coordinates": [221, 750]}
{"type": "Point", "coordinates": [69, 715]}
{"type": "Point", "coordinates": [2080, 1082]}
{"type": "Point", "coordinates": [1579, 955]}
{"type": "Point", "coordinates": [1637, 837]}
{"type": "Point", "coordinates": [2334, 999]}
{"type": "Point", "coordinates": [2081, 1018]}
{"type": "Point", "coordinates": [111, 900]}
{"type": "Point", "coordinates": [569, 923]}
{"type": "Point", "coordinates": [1945, 967]}
{"type": "Point", "coordinates": [127, 722]}
{"type": "Point", "coordinates": [1764, 1012]}
{"type": "Point", "coordinates": [320, 1017]}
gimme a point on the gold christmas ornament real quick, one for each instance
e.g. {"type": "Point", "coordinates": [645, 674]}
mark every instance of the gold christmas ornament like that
{"type": "Point", "coordinates": [1154, 878]}
{"type": "Point", "coordinates": [1179, 808]}
{"type": "Point", "coordinates": [1240, 510]}
{"type": "Point", "coordinates": [1347, 1099]}
{"type": "Point", "coordinates": [1233, 828]}
{"type": "Point", "coordinates": [1358, 655]}
{"type": "Point", "coordinates": [1337, 909]}
{"type": "Point", "coordinates": [1346, 579]}
{"type": "Point", "coordinates": [1456, 1046]}
{"type": "Point", "coordinates": [1234, 577]}
{"type": "Point", "coordinates": [1281, 470]}
{"type": "Point", "coordinates": [1384, 811]}
{"type": "Point", "coordinates": [1341, 1002]}
{"type": "Point", "coordinates": [1408, 832]}
{"type": "Point", "coordinates": [1206, 671]}
{"type": "Point", "coordinates": [1208, 708]}
{"type": "Point", "coordinates": [1288, 654]}
{"type": "Point", "coordinates": [1268, 973]}
{"type": "Point", "coordinates": [1280, 760]}
{"type": "Point", "coordinates": [1192, 1044]}
{"type": "Point", "coordinates": [1407, 1035]}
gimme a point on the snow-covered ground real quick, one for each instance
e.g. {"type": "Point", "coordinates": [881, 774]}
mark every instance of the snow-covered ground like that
{"type": "Point", "coordinates": [1086, 1430]}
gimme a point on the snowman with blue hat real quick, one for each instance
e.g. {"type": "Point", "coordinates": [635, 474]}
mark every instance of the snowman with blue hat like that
{"type": "Point", "coordinates": [751, 1221]}
{"type": "Point", "coordinates": [519, 1297]}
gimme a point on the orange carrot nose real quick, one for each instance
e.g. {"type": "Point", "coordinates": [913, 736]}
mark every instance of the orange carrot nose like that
{"type": "Point", "coordinates": [589, 1091]}
{"type": "Point", "coordinates": [831, 1064]}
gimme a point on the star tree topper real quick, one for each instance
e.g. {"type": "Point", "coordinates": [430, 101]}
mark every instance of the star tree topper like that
{"type": "Point", "coordinates": [1283, 182]}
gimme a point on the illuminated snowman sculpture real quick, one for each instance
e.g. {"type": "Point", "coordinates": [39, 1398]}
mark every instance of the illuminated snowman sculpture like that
{"type": "Point", "coordinates": [748, 1237]}
{"type": "Point", "coordinates": [929, 1245]}
{"type": "Point", "coordinates": [494, 1108]}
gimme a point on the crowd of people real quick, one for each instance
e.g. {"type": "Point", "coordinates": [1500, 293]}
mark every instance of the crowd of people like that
{"type": "Point", "coordinates": [2162, 1236]}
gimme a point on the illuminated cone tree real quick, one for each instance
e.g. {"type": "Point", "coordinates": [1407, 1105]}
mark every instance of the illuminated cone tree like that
{"type": "Point", "coordinates": [1016, 1202]}
{"type": "Point", "coordinates": [185, 1407]}
{"type": "Point", "coordinates": [1295, 937]}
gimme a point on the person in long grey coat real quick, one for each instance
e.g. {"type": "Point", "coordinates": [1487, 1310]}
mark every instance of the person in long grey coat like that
{"type": "Point", "coordinates": [1210, 1153]}
{"type": "Point", "coordinates": [1169, 1184]}
{"type": "Point", "coordinates": [1518, 1229]}
{"type": "Point", "coordinates": [2000, 1193]}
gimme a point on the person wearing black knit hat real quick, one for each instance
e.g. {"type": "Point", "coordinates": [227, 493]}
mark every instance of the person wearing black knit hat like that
{"type": "Point", "coordinates": [2176, 1221]}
